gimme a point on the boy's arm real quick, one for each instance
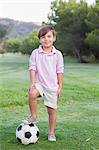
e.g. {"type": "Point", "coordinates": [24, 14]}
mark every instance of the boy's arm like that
{"type": "Point", "coordinates": [60, 79]}
{"type": "Point", "coordinates": [60, 71]}
{"type": "Point", "coordinates": [32, 69]}
{"type": "Point", "coordinates": [32, 78]}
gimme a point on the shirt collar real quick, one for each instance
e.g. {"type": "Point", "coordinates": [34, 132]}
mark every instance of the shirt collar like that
{"type": "Point", "coordinates": [51, 53]}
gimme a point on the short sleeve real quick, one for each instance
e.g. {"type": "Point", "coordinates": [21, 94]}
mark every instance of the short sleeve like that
{"type": "Point", "coordinates": [32, 61]}
{"type": "Point", "coordinates": [60, 63]}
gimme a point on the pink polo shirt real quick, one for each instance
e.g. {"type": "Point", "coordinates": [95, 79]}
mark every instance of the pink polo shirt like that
{"type": "Point", "coordinates": [46, 66]}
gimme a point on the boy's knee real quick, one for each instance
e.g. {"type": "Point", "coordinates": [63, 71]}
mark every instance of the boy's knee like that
{"type": "Point", "coordinates": [32, 94]}
{"type": "Point", "coordinates": [51, 111]}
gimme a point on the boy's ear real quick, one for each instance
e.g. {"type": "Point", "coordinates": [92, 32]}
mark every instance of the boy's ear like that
{"type": "Point", "coordinates": [40, 41]}
{"type": "Point", "coordinates": [54, 39]}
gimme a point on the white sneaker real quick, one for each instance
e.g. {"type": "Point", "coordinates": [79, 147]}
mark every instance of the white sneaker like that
{"type": "Point", "coordinates": [29, 120]}
{"type": "Point", "coordinates": [51, 137]}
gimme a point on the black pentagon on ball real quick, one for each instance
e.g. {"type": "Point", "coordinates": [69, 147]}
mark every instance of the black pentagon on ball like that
{"type": "Point", "coordinates": [37, 134]}
{"type": "Point", "coordinates": [19, 140]}
{"type": "Point", "coordinates": [28, 135]}
{"type": "Point", "coordinates": [31, 125]}
{"type": "Point", "coordinates": [19, 128]}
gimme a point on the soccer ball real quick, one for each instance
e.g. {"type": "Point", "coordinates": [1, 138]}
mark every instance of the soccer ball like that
{"type": "Point", "coordinates": [27, 133]}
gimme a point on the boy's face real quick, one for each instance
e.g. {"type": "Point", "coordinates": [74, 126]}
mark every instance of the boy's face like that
{"type": "Point", "coordinates": [47, 40]}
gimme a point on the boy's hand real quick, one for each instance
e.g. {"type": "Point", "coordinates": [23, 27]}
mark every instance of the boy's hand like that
{"type": "Point", "coordinates": [59, 92]}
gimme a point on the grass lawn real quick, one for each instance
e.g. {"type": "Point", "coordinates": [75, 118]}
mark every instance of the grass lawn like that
{"type": "Point", "coordinates": [78, 108]}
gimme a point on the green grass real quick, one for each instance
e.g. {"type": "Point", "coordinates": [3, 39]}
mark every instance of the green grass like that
{"type": "Point", "coordinates": [78, 108]}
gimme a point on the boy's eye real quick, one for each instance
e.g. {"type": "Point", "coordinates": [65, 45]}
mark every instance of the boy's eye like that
{"type": "Point", "coordinates": [43, 37]}
{"type": "Point", "coordinates": [48, 36]}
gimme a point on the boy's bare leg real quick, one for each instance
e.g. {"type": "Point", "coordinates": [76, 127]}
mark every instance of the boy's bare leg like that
{"type": "Point", "coordinates": [33, 94]}
{"type": "Point", "coordinates": [52, 120]}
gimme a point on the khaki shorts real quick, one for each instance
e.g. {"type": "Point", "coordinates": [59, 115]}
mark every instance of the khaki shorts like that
{"type": "Point", "coordinates": [50, 97]}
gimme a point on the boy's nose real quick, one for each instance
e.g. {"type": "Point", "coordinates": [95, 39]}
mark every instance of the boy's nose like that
{"type": "Point", "coordinates": [46, 39]}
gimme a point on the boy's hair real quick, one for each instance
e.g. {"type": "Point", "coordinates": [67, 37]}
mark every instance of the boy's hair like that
{"type": "Point", "coordinates": [46, 29]}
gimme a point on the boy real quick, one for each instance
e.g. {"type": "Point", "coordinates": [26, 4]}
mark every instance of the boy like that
{"type": "Point", "coordinates": [46, 73]}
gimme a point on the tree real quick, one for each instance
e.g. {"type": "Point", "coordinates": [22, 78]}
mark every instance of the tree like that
{"type": "Point", "coordinates": [92, 37]}
{"type": "Point", "coordinates": [30, 42]}
{"type": "Point", "coordinates": [13, 45]}
{"type": "Point", "coordinates": [92, 19]}
{"type": "Point", "coordinates": [3, 31]}
{"type": "Point", "coordinates": [92, 40]}
{"type": "Point", "coordinates": [97, 2]}
{"type": "Point", "coordinates": [68, 18]}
